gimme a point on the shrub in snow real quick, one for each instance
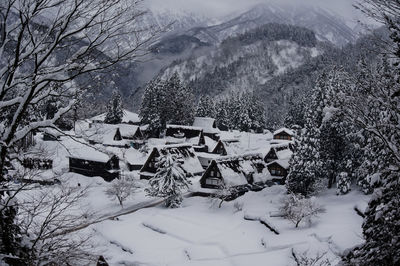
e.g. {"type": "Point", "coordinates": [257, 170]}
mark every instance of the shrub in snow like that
{"type": "Point", "coordinates": [238, 206]}
{"type": "Point", "coordinates": [169, 180]}
{"type": "Point", "coordinates": [343, 184]}
{"type": "Point", "coordinates": [223, 194]}
{"type": "Point", "coordinates": [297, 208]}
{"type": "Point", "coordinates": [304, 259]}
{"type": "Point", "coordinates": [121, 189]}
{"type": "Point", "coordinates": [370, 182]}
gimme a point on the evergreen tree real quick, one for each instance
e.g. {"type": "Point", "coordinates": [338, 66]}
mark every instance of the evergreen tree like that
{"type": "Point", "coordinates": [343, 184]}
{"type": "Point", "coordinates": [150, 110]}
{"type": "Point", "coordinates": [205, 107]}
{"type": "Point", "coordinates": [169, 180]}
{"type": "Point", "coordinates": [115, 110]}
{"type": "Point", "coordinates": [180, 99]}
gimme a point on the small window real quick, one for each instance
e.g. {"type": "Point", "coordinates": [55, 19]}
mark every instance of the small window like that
{"type": "Point", "coordinates": [218, 174]}
{"type": "Point", "coordinates": [212, 173]}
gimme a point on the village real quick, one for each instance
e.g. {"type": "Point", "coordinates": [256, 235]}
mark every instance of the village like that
{"type": "Point", "coordinates": [211, 158]}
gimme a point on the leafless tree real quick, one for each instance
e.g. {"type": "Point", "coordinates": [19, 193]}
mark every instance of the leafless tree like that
{"type": "Point", "coordinates": [45, 45]}
{"type": "Point", "coordinates": [121, 189]}
{"type": "Point", "coordinates": [304, 259]}
{"type": "Point", "coordinates": [297, 208]}
{"type": "Point", "coordinates": [46, 216]}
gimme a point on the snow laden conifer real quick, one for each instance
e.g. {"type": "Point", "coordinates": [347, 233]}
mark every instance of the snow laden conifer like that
{"type": "Point", "coordinates": [169, 180]}
{"type": "Point", "coordinates": [150, 110]}
{"type": "Point", "coordinates": [305, 170]}
{"type": "Point", "coordinates": [343, 184]}
{"type": "Point", "coordinates": [115, 110]}
{"type": "Point", "coordinates": [205, 107]}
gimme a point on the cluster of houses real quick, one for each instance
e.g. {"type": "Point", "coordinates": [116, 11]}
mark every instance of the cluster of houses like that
{"type": "Point", "coordinates": [204, 150]}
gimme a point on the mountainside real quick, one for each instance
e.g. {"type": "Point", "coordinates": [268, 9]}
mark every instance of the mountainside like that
{"type": "Point", "coordinates": [233, 55]}
{"type": "Point", "coordinates": [328, 27]}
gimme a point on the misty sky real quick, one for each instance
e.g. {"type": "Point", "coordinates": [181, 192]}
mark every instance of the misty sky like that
{"type": "Point", "coordinates": [218, 8]}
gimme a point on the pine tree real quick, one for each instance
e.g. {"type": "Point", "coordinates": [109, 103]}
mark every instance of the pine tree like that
{"type": "Point", "coordinates": [115, 110]}
{"type": "Point", "coordinates": [343, 184]}
{"type": "Point", "coordinates": [150, 110]}
{"type": "Point", "coordinates": [205, 107]}
{"type": "Point", "coordinates": [169, 180]}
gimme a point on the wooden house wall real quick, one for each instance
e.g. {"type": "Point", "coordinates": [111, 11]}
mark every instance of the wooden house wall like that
{"type": "Point", "coordinates": [276, 170]}
{"type": "Point", "coordinates": [283, 135]}
{"type": "Point", "coordinates": [94, 168]}
{"type": "Point", "coordinates": [220, 149]}
{"type": "Point", "coordinates": [271, 156]}
{"type": "Point", "coordinates": [212, 177]}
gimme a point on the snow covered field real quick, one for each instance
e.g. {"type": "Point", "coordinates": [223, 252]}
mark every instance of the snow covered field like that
{"type": "Point", "coordinates": [200, 233]}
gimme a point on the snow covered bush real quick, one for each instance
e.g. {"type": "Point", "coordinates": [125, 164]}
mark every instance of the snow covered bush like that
{"type": "Point", "coordinates": [223, 194]}
{"type": "Point", "coordinates": [343, 184]}
{"type": "Point", "coordinates": [169, 180]}
{"type": "Point", "coordinates": [297, 208]}
{"type": "Point", "coordinates": [304, 259]}
{"type": "Point", "coordinates": [369, 182]}
{"type": "Point", "coordinates": [238, 206]}
{"type": "Point", "coordinates": [121, 189]}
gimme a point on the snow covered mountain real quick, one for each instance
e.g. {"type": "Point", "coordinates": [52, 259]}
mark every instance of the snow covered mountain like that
{"type": "Point", "coordinates": [327, 25]}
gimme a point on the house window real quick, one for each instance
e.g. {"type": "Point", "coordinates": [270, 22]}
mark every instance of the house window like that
{"type": "Point", "coordinates": [218, 174]}
{"type": "Point", "coordinates": [212, 173]}
{"type": "Point", "coordinates": [213, 181]}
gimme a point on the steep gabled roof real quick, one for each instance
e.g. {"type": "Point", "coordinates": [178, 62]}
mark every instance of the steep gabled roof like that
{"type": "Point", "coordinates": [128, 117]}
{"type": "Point", "coordinates": [234, 169]}
{"type": "Point", "coordinates": [285, 130]}
{"type": "Point", "coordinates": [207, 124]}
{"type": "Point", "coordinates": [185, 151]}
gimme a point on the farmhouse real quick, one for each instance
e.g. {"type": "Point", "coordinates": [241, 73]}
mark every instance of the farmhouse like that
{"type": "Point", "coordinates": [88, 161]}
{"type": "Point", "coordinates": [127, 118]}
{"type": "Point", "coordinates": [177, 134]}
{"type": "Point", "coordinates": [120, 135]}
{"type": "Point", "coordinates": [284, 134]}
{"type": "Point", "coordinates": [191, 163]}
{"type": "Point", "coordinates": [209, 127]}
{"type": "Point", "coordinates": [279, 170]}
{"type": "Point", "coordinates": [235, 171]}
{"type": "Point", "coordinates": [227, 147]}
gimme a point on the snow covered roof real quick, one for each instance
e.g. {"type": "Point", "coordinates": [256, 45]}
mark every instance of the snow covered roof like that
{"type": "Point", "coordinates": [284, 129]}
{"type": "Point", "coordinates": [284, 154]}
{"type": "Point", "coordinates": [234, 169]}
{"type": "Point", "coordinates": [81, 150]}
{"type": "Point", "coordinates": [127, 130]}
{"type": "Point", "coordinates": [133, 156]}
{"type": "Point", "coordinates": [185, 127]}
{"type": "Point", "coordinates": [282, 162]}
{"type": "Point", "coordinates": [191, 163]}
{"type": "Point", "coordinates": [105, 133]}
{"type": "Point", "coordinates": [129, 117]}
{"type": "Point", "coordinates": [206, 123]}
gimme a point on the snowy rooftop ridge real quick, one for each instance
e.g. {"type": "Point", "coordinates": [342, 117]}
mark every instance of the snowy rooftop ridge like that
{"type": "Point", "coordinates": [239, 157]}
{"type": "Point", "coordinates": [284, 129]}
{"type": "Point", "coordinates": [206, 123]}
{"type": "Point", "coordinates": [185, 127]}
{"type": "Point", "coordinates": [128, 117]}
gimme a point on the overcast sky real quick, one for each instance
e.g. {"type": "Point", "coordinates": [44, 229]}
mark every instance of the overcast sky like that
{"type": "Point", "coordinates": [219, 8]}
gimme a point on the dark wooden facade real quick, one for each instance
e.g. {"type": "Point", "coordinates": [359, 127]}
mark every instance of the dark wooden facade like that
{"type": "Point", "coordinates": [149, 168]}
{"type": "Point", "coordinates": [277, 170]}
{"type": "Point", "coordinates": [213, 178]}
{"type": "Point", "coordinates": [271, 156]}
{"type": "Point", "coordinates": [107, 170]}
{"type": "Point", "coordinates": [186, 132]}
{"type": "Point", "coordinates": [283, 135]}
{"type": "Point", "coordinates": [220, 149]}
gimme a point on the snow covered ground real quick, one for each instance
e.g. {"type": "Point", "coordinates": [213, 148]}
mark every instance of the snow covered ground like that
{"type": "Point", "coordinates": [200, 233]}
